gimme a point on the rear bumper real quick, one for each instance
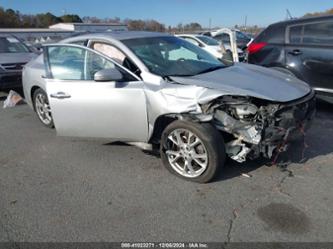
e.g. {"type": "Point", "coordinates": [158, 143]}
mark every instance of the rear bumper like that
{"type": "Point", "coordinates": [10, 80]}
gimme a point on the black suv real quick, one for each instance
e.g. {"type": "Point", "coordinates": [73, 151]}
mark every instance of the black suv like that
{"type": "Point", "coordinates": [302, 47]}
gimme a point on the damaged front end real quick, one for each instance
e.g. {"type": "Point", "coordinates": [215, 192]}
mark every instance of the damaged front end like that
{"type": "Point", "coordinates": [254, 127]}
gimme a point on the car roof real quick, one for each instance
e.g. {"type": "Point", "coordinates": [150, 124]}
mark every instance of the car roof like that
{"type": "Point", "coordinates": [123, 35]}
{"type": "Point", "coordinates": [186, 34]}
{"type": "Point", "coordinates": [192, 35]}
{"type": "Point", "coordinates": [303, 20]}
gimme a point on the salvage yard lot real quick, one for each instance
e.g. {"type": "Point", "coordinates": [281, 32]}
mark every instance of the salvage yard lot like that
{"type": "Point", "coordinates": [66, 189]}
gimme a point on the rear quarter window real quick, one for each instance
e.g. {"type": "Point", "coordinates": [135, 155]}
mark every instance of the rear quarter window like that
{"type": "Point", "coordinates": [273, 34]}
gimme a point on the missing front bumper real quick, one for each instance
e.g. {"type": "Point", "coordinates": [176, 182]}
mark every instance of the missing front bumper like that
{"type": "Point", "coordinates": [274, 128]}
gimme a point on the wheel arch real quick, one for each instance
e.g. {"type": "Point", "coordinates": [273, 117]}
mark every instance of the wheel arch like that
{"type": "Point", "coordinates": [164, 120]}
{"type": "Point", "coordinates": [160, 124]}
{"type": "Point", "coordinates": [32, 91]}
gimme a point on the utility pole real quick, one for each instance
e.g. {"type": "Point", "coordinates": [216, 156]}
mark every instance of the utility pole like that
{"type": "Point", "coordinates": [245, 23]}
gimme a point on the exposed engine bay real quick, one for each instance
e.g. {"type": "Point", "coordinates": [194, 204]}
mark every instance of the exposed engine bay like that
{"type": "Point", "coordinates": [254, 127]}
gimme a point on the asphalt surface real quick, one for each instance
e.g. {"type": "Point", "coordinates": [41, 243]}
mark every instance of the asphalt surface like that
{"type": "Point", "coordinates": [65, 189]}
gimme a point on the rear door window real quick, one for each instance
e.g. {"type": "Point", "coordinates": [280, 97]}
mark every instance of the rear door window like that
{"type": "Point", "coordinates": [295, 34]}
{"type": "Point", "coordinates": [318, 33]}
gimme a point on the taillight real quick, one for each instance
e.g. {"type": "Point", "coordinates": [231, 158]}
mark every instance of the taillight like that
{"type": "Point", "coordinates": [256, 47]}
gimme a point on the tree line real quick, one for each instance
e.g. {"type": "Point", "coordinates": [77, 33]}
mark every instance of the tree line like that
{"type": "Point", "coordinates": [324, 13]}
{"type": "Point", "coordinates": [10, 18]}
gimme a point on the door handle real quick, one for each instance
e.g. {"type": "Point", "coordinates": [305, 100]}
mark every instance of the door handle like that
{"type": "Point", "coordinates": [60, 95]}
{"type": "Point", "coordinates": [295, 52]}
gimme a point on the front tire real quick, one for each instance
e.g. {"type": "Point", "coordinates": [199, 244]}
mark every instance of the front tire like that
{"type": "Point", "coordinates": [42, 108]}
{"type": "Point", "coordinates": [192, 151]}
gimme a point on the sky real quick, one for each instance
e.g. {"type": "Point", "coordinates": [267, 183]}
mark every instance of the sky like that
{"type": "Point", "coordinates": [172, 12]}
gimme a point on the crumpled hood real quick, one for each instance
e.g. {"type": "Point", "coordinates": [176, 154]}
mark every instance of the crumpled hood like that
{"type": "Point", "coordinates": [16, 57]}
{"type": "Point", "coordinates": [250, 80]}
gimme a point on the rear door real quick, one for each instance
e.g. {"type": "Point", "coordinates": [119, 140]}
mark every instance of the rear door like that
{"type": "Point", "coordinates": [309, 52]}
{"type": "Point", "coordinates": [83, 107]}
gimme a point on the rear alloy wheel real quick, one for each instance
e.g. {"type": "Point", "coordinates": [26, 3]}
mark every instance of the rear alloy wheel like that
{"type": "Point", "coordinates": [192, 151]}
{"type": "Point", "coordinates": [42, 108]}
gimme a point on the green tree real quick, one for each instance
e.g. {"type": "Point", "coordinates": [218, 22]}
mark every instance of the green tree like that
{"type": "Point", "coordinates": [327, 12]}
{"type": "Point", "coordinates": [45, 20]}
{"type": "Point", "coordinates": [70, 18]}
{"type": "Point", "coordinates": [193, 26]}
{"type": "Point", "coordinates": [9, 18]}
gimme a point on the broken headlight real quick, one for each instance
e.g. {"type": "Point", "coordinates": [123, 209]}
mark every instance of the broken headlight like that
{"type": "Point", "coordinates": [244, 112]}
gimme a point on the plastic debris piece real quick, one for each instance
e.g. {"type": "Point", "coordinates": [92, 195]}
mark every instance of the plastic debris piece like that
{"type": "Point", "coordinates": [12, 99]}
{"type": "Point", "coordinates": [246, 175]}
{"type": "Point", "coordinates": [235, 213]}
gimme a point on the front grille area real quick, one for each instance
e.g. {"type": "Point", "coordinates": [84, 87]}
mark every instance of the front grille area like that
{"type": "Point", "coordinates": [289, 117]}
{"type": "Point", "coordinates": [11, 78]}
{"type": "Point", "coordinates": [8, 82]}
{"type": "Point", "coordinates": [12, 66]}
{"type": "Point", "coordinates": [298, 111]}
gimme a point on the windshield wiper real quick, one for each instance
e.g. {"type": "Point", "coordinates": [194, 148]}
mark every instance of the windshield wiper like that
{"type": "Point", "coordinates": [211, 69]}
{"type": "Point", "coordinates": [179, 75]}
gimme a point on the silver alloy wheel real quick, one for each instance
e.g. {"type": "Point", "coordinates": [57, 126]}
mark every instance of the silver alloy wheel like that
{"type": "Point", "coordinates": [43, 108]}
{"type": "Point", "coordinates": [186, 153]}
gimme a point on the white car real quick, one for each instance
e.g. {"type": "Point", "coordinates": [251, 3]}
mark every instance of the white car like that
{"type": "Point", "coordinates": [211, 45]}
{"type": "Point", "coordinates": [160, 91]}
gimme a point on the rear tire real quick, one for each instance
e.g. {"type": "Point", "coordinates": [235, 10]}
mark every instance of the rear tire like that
{"type": "Point", "coordinates": [192, 151]}
{"type": "Point", "coordinates": [42, 108]}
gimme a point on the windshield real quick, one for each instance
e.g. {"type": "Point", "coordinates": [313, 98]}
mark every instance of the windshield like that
{"type": "Point", "coordinates": [172, 56]}
{"type": "Point", "coordinates": [12, 45]}
{"type": "Point", "coordinates": [208, 41]}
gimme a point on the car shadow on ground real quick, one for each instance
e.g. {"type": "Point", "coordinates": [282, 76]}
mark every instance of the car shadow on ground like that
{"type": "Point", "coordinates": [317, 142]}
{"type": "Point", "coordinates": [3, 96]}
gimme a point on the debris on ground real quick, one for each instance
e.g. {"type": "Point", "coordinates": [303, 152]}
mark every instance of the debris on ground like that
{"type": "Point", "coordinates": [13, 99]}
{"type": "Point", "coordinates": [246, 175]}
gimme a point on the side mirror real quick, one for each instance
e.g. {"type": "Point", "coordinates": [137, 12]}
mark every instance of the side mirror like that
{"type": "Point", "coordinates": [110, 74]}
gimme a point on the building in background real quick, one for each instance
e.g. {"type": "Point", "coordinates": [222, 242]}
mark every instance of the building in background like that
{"type": "Point", "coordinates": [89, 27]}
{"type": "Point", "coordinates": [54, 33]}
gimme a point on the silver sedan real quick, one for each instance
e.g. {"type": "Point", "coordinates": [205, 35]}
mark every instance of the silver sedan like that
{"type": "Point", "coordinates": [159, 91]}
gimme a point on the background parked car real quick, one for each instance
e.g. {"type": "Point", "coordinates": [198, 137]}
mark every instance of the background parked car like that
{"type": "Point", "coordinates": [14, 54]}
{"type": "Point", "coordinates": [218, 49]}
{"type": "Point", "coordinates": [302, 47]}
{"type": "Point", "coordinates": [223, 35]}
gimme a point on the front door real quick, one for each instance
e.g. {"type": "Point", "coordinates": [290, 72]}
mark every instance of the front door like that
{"type": "Point", "coordinates": [83, 107]}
